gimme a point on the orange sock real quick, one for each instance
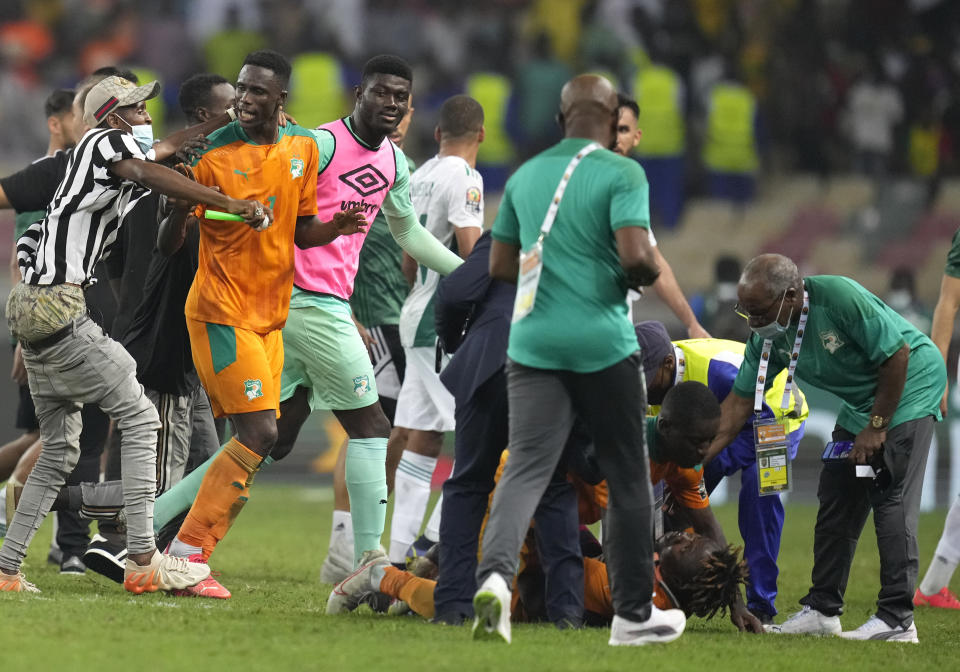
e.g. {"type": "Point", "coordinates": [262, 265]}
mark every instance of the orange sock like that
{"type": "Point", "coordinates": [415, 591]}
{"type": "Point", "coordinates": [224, 486]}
{"type": "Point", "coordinates": [222, 526]}
{"type": "Point", "coordinates": [596, 588]}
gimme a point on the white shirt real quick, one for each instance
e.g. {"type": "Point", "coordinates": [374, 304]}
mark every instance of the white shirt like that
{"type": "Point", "coordinates": [447, 194]}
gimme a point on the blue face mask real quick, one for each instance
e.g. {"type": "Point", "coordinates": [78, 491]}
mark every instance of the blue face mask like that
{"type": "Point", "coordinates": [142, 134]}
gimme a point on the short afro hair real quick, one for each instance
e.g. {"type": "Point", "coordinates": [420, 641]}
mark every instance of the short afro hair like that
{"type": "Point", "coordinates": [689, 402]}
{"type": "Point", "coordinates": [386, 64]}
{"type": "Point", "coordinates": [460, 115]}
{"type": "Point", "coordinates": [195, 92]}
{"type": "Point", "coordinates": [273, 61]}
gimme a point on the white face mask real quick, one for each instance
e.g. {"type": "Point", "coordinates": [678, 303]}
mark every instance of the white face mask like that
{"type": "Point", "coordinates": [774, 329]}
{"type": "Point", "coordinates": [142, 134]}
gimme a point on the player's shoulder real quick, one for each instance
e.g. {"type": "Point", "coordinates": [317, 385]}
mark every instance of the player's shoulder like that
{"type": "Point", "coordinates": [457, 171]}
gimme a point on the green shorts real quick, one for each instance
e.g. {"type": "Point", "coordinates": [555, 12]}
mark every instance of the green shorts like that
{"type": "Point", "coordinates": [323, 352]}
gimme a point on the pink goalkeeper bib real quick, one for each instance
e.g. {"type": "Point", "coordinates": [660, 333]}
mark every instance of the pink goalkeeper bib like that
{"type": "Point", "coordinates": [355, 177]}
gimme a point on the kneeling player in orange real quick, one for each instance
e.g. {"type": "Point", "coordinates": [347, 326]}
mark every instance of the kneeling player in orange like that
{"type": "Point", "coordinates": [702, 573]}
{"type": "Point", "coordinates": [691, 572]}
{"type": "Point", "coordinates": [241, 294]}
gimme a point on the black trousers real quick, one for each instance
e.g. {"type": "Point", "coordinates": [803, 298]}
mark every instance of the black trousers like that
{"type": "Point", "coordinates": [845, 503]}
{"type": "Point", "coordinates": [543, 404]}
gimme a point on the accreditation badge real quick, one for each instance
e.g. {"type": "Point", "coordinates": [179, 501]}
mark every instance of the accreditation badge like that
{"type": "Point", "coordinates": [531, 267]}
{"type": "Point", "coordinates": [773, 465]}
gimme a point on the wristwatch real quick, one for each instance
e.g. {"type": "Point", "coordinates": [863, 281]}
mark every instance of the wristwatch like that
{"type": "Point", "coordinates": [878, 421]}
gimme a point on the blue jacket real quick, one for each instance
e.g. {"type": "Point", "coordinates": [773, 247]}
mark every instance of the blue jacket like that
{"type": "Point", "coordinates": [470, 296]}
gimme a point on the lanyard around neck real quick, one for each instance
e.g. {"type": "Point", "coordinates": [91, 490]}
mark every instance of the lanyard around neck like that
{"type": "Point", "coordinates": [791, 369]}
{"type": "Point", "coordinates": [562, 187]}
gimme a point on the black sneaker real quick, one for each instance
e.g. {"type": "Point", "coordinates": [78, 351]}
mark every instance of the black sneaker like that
{"type": "Point", "coordinates": [73, 565]}
{"type": "Point", "coordinates": [55, 556]}
{"type": "Point", "coordinates": [762, 616]}
{"type": "Point", "coordinates": [107, 557]}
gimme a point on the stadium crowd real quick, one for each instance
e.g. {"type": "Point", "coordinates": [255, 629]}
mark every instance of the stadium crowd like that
{"type": "Point", "coordinates": [264, 269]}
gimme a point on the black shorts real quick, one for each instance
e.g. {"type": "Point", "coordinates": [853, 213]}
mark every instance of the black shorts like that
{"type": "Point", "coordinates": [389, 365]}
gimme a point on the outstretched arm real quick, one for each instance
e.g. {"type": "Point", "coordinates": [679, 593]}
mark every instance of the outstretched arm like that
{"type": "Point", "coordinates": [312, 232]}
{"type": "Point", "coordinates": [167, 181]}
{"type": "Point", "coordinates": [421, 245]}
{"type": "Point", "coordinates": [705, 523]}
{"type": "Point", "coordinates": [670, 293]}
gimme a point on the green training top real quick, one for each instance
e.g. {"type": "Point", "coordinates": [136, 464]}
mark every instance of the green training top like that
{"type": "Point", "coordinates": [380, 288]}
{"type": "Point", "coordinates": [849, 334]}
{"type": "Point", "coordinates": [579, 321]}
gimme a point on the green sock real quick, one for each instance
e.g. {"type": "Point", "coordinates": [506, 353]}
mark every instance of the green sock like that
{"type": "Point", "coordinates": [367, 487]}
{"type": "Point", "coordinates": [180, 496]}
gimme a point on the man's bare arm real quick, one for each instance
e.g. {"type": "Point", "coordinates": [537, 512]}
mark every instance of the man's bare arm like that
{"type": "Point", "coordinates": [504, 261]}
{"type": "Point", "coordinates": [312, 232]}
{"type": "Point", "coordinates": [636, 256]}
{"type": "Point", "coordinates": [669, 291]}
{"type": "Point", "coordinates": [734, 412]}
{"type": "Point", "coordinates": [164, 180]}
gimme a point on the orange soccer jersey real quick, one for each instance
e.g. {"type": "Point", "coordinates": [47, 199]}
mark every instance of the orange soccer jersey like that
{"type": "Point", "coordinates": [245, 277]}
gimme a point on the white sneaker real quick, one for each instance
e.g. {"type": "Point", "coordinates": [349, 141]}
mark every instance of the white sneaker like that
{"type": "Point", "coordinates": [338, 564]}
{"type": "Point", "coordinates": [347, 594]}
{"type": "Point", "coordinates": [807, 621]}
{"type": "Point", "coordinates": [165, 572]}
{"type": "Point", "coordinates": [491, 605]}
{"type": "Point", "coordinates": [664, 625]}
{"type": "Point", "coordinates": [875, 628]}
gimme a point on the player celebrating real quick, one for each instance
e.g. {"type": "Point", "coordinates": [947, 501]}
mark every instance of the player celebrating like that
{"type": "Point", "coordinates": [240, 296]}
{"type": "Point", "coordinates": [327, 364]}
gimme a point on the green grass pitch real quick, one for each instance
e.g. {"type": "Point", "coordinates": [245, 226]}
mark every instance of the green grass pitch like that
{"type": "Point", "coordinates": [275, 620]}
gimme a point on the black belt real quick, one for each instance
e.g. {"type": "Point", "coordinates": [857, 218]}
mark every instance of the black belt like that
{"type": "Point", "coordinates": [55, 337]}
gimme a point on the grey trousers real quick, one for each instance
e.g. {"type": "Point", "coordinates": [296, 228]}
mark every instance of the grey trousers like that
{"type": "Point", "coordinates": [612, 402]}
{"type": "Point", "coordinates": [86, 367]}
{"type": "Point", "coordinates": [186, 428]}
{"type": "Point", "coordinates": [845, 502]}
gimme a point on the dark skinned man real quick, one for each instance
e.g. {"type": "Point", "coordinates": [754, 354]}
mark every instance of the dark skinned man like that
{"type": "Point", "coordinates": [572, 350]}
{"type": "Point", "coordinates": [240, 296]}
{"type": "Point", "coordinates": [326, 362]}
{"type": "Point", "coordinates": [843, 339]}
{"type": "Point", "coordinates": [69, 360]}
{"type": "Point", "coordinates": [352, 164]}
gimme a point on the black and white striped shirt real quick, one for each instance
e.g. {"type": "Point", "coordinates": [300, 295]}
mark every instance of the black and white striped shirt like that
{"type": "Point", "coordinates": [83, 219]}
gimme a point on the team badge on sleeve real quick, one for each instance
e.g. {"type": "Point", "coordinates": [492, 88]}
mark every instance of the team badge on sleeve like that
{"type": "Point", "coordinates": [474, 199]}
{"type": "Point", "coordinates": [296, 168]}
{"type": "Point", "coordinates": [253, 389]}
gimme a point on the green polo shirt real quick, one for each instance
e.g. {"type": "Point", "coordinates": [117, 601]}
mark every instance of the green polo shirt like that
{"type": "Point", "coordinates": [849, 334]}
{"type": "Point", "coordinates": [579, 321]}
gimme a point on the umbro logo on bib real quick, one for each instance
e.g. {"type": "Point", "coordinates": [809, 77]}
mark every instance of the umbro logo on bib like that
{"type": "Point", "coordinates": [365, 180]}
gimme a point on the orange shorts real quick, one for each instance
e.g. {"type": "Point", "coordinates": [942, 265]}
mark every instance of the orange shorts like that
{"type": "Point", "coordinates": [240, 369]}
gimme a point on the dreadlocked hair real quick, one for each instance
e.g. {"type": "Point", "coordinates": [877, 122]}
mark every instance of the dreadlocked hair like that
{"type": "Point", "coordinates": [715, 585]}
